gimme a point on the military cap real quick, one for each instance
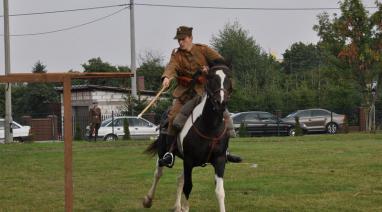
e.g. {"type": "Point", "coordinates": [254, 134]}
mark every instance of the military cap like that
{"type": "Point", "coordinates": [182, 32]}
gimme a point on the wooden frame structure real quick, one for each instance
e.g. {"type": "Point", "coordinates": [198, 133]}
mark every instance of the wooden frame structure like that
{"type": "Point", "coordinates": [66, 79]}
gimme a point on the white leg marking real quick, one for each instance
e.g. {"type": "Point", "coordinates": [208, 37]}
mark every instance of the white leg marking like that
{"type": "Point", "coordinates": [186, 205]}
{"type": "Point", "coordinates": [157, 175]}
{"type": "Point", "coordinates": [219, 191]}
{"type": "Point", "coordinates": [187, 126]}
{"type": "Point", "coordinates": [179, 191]}
{"type": "Point", "coordinates": [221, 74]}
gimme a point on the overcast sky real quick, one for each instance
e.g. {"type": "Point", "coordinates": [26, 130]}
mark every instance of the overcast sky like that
{"type": "Point", "coordinates": [274, 31]}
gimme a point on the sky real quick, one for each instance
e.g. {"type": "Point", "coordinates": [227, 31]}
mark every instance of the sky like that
{"type": "Point", "coordinates": [155, 27]}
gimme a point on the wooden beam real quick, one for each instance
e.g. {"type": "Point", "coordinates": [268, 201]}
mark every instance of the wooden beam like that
{"type": "Point", "coordinates": [68, 162]}
{"type": "Point", "coordinates": [65, 78]}
{"type": "Point", "coordinates": [59, 77]}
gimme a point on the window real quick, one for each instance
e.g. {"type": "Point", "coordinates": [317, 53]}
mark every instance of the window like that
{"type": "Point", "coordinates": [251, 117]}
{"type": "Point", "coordinates": [238, 119]}
{"type": "Point", "coordinates": [15, 126]}
{"type": "Point", "coordinates": [138, 122]}
{"type": "Point", "coordinates": [304, 113]}
{"type": "Point", "coordinates": [265, 116]}
{"type": "Point", "coordinates": [117, 123]}
{"type": "Point", "coordinates": [320, 113]}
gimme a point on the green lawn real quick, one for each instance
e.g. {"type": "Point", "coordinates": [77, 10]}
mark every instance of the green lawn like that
{"type": "Point", "coordinates": [308, 173]}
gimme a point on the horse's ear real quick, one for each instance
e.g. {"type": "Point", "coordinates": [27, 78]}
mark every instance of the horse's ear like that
{"type": "Point", "coordinates": [219, 61]}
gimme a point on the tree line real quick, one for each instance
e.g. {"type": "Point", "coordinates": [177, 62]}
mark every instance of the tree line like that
{"type": "Point", "coordinates": [334, 73]}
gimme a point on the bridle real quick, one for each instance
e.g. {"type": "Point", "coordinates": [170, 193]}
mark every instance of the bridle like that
{"type": "Point", "coordinates": [216, 106]}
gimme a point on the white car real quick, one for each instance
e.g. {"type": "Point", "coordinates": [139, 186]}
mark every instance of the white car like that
{"type": "Point", "coordinates": [20, 132]}
{"type": "Point", "coordinates": [139, 128]}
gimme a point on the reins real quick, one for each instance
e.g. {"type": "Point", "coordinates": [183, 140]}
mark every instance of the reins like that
{"type": "Point", "coordinates": [215, 140]}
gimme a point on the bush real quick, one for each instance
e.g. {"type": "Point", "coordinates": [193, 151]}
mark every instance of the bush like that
{"type": "Point", "coordinates": [126, 130]}
{"type": "Point", "coordinates": [78, 133]}
{"type": "Point", "coordinates": [298, 127]}
{"type": "Point", "coordinates": [243, 130]}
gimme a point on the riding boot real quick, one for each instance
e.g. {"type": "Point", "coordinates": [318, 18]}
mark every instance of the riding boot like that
{"type": "Point", "coordinates": [168, 159]}
{"type": "Point", "coordinates": [233, 158]}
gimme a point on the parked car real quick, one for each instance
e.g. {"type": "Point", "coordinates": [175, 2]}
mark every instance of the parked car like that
{"type": "Point", "coordinates": [262, 123]}
{"type": "Point", "coordinates": [317, 120]}
{"type": "Point", "coordinates": [20, 133]}
{"type": "Point", "coordinates": [139, 128]}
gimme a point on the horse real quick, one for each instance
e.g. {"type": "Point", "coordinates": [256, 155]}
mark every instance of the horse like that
{"type": "Point", "coordinates": [203, 139]}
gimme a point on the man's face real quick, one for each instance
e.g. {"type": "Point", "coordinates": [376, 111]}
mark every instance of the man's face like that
{"type": "Point", "coordinates": [185, 43]}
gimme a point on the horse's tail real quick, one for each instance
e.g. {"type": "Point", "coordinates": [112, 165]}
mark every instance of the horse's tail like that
{"type": "Point", "coordinates": [152, 149]}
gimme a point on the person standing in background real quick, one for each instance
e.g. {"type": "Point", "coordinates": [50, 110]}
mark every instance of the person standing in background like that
{"type": "Point", "coordinates": [95, 121]}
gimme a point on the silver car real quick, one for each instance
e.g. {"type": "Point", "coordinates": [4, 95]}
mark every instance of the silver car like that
{"type": "Point", "coordinates": [317, 120]}
{"type": "Point", "coordinates": [140, 128]}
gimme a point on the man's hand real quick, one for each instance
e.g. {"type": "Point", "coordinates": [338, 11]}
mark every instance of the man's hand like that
{"type": "Point", "coordinates": [205, 69]}
{"type": "Point", "coordinates": [166, 82]}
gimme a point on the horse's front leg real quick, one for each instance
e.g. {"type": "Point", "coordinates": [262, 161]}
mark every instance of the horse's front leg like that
{"type": "Point", "coordinates": [148, 199]}
{"type": "Point", "coordinates": [179, 192]}
{"type": "Point", "coordinates": [219, 190]}
{"type": "Point", "coordinates": [187, 187]}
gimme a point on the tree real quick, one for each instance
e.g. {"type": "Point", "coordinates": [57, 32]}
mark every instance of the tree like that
{"type": "Point", "coordinates": [351, 37]}
{"type": "Point", "coordinates": [301, 57]}
{"type": "Point", "coordinates": [39, 68]}
{"type": "Point", "coordinates": [252, 67]}
{"type": "Point", "coordinates": [126, 131]}
{"type": "Point", "coordinates": [151, 69]}
{"type": "Point", "coordinates": [355, 39]}
{"type": "Point", "coordinates": [33, 98]}
{"type": "Point", "coordinates": [97, 65]}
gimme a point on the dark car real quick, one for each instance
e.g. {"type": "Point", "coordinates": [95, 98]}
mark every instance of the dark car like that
{"type": "Point", "coordinates": [317, 120]}
{"type": "Point", "coordinates": [262, 123]}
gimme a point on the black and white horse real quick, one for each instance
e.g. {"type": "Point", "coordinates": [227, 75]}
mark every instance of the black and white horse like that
{"type": "Point", "coordinates": [202, 140]}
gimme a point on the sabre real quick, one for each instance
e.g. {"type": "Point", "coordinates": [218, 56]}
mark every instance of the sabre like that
{"type": "Point", "coordinates": [152, 102]}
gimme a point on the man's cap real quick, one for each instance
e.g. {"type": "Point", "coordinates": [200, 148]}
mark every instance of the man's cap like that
{"type": "Point", "coordinates": [182, 32]}
{"type": "Point", "coordinates": [95, 102]}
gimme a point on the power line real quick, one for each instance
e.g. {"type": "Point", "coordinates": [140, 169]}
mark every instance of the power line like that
{"type": "Point", "coordinates": [71, 27]}
{"type": "Point", "coordinates": [184, 6]}
{"type": "Point", "coordinates": [69, 10]}
{"type": "Point", "coordinates": [246, 8]}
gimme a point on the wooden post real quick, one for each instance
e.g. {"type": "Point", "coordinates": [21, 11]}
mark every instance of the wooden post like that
{"type": "Point", "coordinates": [66, 78]}
{"type": "Point", "coordinates": [68, 144]}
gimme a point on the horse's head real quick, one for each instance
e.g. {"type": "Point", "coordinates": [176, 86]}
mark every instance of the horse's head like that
{"type": "Point", "coordinates": [219, 86]}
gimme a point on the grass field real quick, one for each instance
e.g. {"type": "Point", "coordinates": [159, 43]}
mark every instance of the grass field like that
{"type": "Point", "coordinates": [308, 173]}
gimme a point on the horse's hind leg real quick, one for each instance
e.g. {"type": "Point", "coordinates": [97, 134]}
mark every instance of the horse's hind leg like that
{"type": "Point", "coordinates": [219, 190]}
{"type": "Point", "coordinates": [148, 199]}
{"type": "Point", "coordinates": [179, 192]}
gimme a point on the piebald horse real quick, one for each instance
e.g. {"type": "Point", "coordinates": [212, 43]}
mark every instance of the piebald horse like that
{"type": "Point", "coordinates": [203, 139]}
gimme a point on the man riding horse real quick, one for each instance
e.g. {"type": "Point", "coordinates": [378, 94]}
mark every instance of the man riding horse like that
{"type": "Point", "coordinates": [184, 63]}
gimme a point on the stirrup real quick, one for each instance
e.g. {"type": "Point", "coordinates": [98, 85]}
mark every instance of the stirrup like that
{"type": "Point", "coordinates": [169, 165]}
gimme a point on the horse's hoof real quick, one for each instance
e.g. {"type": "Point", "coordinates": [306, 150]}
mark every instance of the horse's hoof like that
{"type": "Point", "coordinates": [147, 202]}
{"type": "Point", "coordinates": [177, 209]}
{"type": "Point", "coordinates": [185, 209]}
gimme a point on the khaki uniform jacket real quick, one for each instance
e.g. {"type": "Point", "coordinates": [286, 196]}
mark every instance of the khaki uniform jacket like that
{"type": "Point", "coordinates": [95, 115]}
{"type": "Point", "coordinates": [184, 63]}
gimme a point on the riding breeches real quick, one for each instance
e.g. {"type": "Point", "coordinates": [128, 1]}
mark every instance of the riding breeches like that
{"type": "Point", "coordinates": [175, 109]}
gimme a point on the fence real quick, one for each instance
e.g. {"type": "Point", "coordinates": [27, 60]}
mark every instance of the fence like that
{"type": "Point", "coordinates": [42, 128]}
{"type": "Point", "coordinates": [81, 122]}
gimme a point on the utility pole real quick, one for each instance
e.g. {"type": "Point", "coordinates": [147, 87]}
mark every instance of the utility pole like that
{"type": "Point", "coordinates": [8, 98]}
{"type": "Point", "coordinates": [132, 41]}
